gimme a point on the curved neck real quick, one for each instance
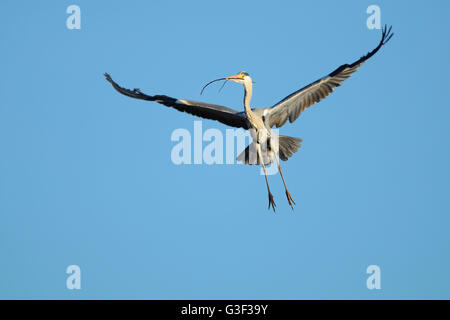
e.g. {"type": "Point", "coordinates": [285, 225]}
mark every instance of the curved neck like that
{"type": "Point", "coordinates": [247, 97]}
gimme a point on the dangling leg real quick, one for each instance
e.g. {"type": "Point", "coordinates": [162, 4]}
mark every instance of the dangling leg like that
{"type": "Point", "coordinates": [271, 201]}
{"type": "Point", "coordinates": [288, 195]}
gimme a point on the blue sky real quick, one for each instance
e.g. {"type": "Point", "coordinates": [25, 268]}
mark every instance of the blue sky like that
{"type": "Point", "coordinates": [86, 176]}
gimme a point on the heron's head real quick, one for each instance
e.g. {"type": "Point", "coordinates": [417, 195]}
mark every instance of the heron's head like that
{"type": "Point", "coordinates": [241, 77]}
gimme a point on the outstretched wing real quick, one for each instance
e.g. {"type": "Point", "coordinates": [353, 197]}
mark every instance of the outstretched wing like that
{"type": "Point", "coordinates": [294, 104]}
{"type": "Point", "coordinates": [222, 114]}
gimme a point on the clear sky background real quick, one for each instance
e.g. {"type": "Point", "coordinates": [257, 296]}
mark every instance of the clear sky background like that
{"type": "Point", "coordinates": [86, 176]}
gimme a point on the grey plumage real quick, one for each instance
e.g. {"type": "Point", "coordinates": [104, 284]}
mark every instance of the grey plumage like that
{"type": "Point", "coordinates": [294, 104]}
{"type": "Point", "coordinates": [287, 147]}
{"type": "Point", "coordinates": [210, 111]}
{"type": "Point", "coordinates": [266, 146]}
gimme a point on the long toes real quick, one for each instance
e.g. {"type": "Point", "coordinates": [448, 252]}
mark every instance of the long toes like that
{"type": "Point", "coordinates": [292, 206]}
{"type": "Point", "coordinates": [290, 200]}
{"type": "Point", "coordinates": [271, 202]}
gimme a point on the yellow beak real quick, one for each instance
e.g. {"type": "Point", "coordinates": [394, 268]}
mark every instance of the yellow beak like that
{"type": "Point", "coordinates": [236, 77]}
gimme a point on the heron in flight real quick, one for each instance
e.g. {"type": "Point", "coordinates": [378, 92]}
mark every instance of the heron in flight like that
{"type": "Point", "coordinates": [266, 146]}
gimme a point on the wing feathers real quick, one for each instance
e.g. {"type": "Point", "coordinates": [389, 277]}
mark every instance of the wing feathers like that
{"type": "Point", "coordinates": [201, 109]}
{"type": "Point", "coordinates": [293, 105]}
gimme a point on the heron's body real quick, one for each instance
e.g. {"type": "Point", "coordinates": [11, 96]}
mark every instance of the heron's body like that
{"type": "Point", "coordinates": [259, 131]}
{"type": "Point", "coordinates": [266, 147]}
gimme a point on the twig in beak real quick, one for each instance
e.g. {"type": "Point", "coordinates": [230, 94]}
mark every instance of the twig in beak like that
{"type": "Point", "coordinates": [201, 92]}
{"type": "Point", "coordinates": [225, 82]}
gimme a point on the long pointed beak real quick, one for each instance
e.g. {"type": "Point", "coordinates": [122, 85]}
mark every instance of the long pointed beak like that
{"type": "Point", "coordinates": [236, 77]}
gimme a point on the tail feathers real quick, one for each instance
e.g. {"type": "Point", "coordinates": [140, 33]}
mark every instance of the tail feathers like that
{"type": "Point", "coordinates": [287, 146]}
{"type": "Point", "coordinates": [250, 156]}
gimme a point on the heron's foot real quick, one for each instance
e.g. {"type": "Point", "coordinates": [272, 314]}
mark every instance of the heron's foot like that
{"type": "Point", "coordinates": [290, 200]}
{"type": "Point", "coordinates": [271, 202]}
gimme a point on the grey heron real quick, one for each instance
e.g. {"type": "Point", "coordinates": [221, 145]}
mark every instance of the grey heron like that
{"type": "Point", "coordinates": [259, 121]}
